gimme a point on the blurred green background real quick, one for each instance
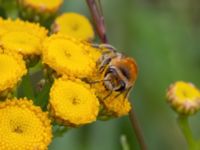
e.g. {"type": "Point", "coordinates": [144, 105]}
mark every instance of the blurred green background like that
{"type": "Point", "coordinates": [164, 37]}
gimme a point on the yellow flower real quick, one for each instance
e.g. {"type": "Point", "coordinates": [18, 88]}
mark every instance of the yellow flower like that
{"type": "Point", "coordinates": [23, 126]}
{"type": "Point", "coordinates": [73, 102]}
{"type": "Point", "coordinates": [42, 5]}
{"type": "Point", "coordinates": [21, 42]}
{"type": "Point", "coordinates": [21, 37]}
{"type": "Point", "coordinates": [116, 104]}
{"type": "Point", "coordinates": [11, 71]}
{"type": "Point", "coordinates": [184, 97]}
{"type": "Point", "coordinates": [18, 25]}
{"type": "Point", "coordinates": [69, 56]}
{"type": "Point", "coordinates": [73, 24]}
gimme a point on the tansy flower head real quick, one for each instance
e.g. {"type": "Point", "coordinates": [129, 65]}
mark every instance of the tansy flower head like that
{"type": "Point", "coordinates": [23, 126]}
{"type": "Point", "coordinates": [69, 56]}
{"type": "Point", "coordinates": [11, 71]}
{"type": "Point", "coordinates": [73, 102]}
{"type": "Point", "coordinates": [184, 97]}
{"type": "Point", "coordinates": [73, 24]}
{"type": "Point", "coordinates": [21, 42]}
{"type": "Point", "coordinates": [9, 25]}
{"type": "Point", "coordinates": [42, 6]}
{"type": "Point", "coordinates": [21, 37]}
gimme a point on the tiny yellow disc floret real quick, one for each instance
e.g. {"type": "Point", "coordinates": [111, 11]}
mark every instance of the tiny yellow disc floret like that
{"type": "Point", "coordinates": [73, 102]}
{"type": "Point", "coordinates": [75, 25]}
{"type": "Point", "coordinates": [23, 126]}
{"type": "Point", "coordinates": [184, 97]}
{"type": "Point", "coordinates": [69, 56]}
{"type": "Point", "coordinates": [11, 71]}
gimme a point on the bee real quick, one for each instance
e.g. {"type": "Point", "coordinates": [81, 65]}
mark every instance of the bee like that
{"type": "Point", "coordinates": [119, 71]}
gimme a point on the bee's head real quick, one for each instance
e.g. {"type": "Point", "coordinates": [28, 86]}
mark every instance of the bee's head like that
{"type": "Point", "coordinates": [113, 81]}
{"type": "Point", "coordinates": [120, 74]}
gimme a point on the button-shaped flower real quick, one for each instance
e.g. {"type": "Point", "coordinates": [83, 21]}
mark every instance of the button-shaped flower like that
{"type": "Point", "coordinates": [184, 97]}
{"type": "Point", "coordinates": [75, 25]}
{"type": "Point", "coordinates": [21, 37]}
{"type": "Point", "coordinates": [23, 126]}
{"type": "Point", "coordinates": [69, 56]}
{"type": "Point", "coordinates": [11, 71]}
{"type": "Point", "coordinates": [73, 102]}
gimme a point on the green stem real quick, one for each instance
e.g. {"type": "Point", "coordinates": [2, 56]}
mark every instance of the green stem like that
{"type": "Point", "coordinates": [124, 143]}
{"type": "Point", "coordinates": [185, 128]}
{"type": "Point", "coordinates": [36, 68]}
{"type": "Point", "coordinates": [59, 131]}
{"type": "Point", "coordinates": [43, 96]}
{"type": "Point", "coordinates": [15, 92]}
{"type": "Point", "coordinates": [27, 87]}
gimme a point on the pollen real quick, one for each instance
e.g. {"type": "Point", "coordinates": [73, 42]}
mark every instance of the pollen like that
{"type": "Point", "coordinates": [75, 25]}
{"type": "Point", "coordinates": [184, 97]}
{"type": "Point", "coordinates": [73, 102]}
{"type": "Point", "coordinates": [11, 71]}
{"type": "Point", "coordinates": [117, 106]}
{"type": "Point", "coordinates": [23, 126]}
{"type": "Point", "coordinates": [114, 104]}
{"type": "Point", "coordinates": [69, 56]}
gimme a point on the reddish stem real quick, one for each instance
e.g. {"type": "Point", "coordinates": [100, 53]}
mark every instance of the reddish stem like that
{"type": "Point", "coordinates": [137, 129]}
{"type": "Point", "coordinates": [98, 20]}
{"type": "Point", "coordinates": [97, 15]}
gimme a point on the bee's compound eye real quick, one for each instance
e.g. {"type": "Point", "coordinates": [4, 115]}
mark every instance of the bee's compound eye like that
{"type": "Point", "coordinates": [122, 86]}
{"type": "Point", "coordinates": [111, 70]}
{"type": "Point", "coordinates": [125, 72]}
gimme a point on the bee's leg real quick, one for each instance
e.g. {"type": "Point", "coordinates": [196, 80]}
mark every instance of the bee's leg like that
{"type": "Point", "coordinates": [107, 95]}
{"type": "Point", "coordinates": [108, 46]}
{"type": "Point", "coordinates": [126, 95]}
{"type": "Point", "coordinates": [93, 81]}
{"type": "Point", "coordinates": [120, 93]}
{"type": "Point", "coordinates": [103, 64]}
{"type": "Point", "coordinates": [95, 45]}
{"type": "Point", "coordinates": [105, 60]}
{"type": "Point", "coordinates": [104, 46]}
{"type": "Point", "coordinates": [97, 81]}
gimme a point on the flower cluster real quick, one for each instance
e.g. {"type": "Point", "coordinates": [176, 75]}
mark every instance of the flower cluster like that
{"type": "Point", "coordinates": [68, 61]}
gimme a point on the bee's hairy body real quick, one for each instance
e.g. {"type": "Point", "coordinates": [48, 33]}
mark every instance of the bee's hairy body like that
{"type": "Point", "coordinates": [119, 71]}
